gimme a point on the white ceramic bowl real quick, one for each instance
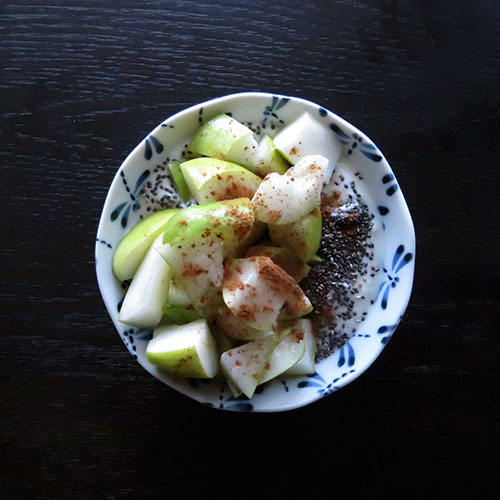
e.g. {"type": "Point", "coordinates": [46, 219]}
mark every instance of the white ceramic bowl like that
{"type": "Point", "coordinates": [123, 208]}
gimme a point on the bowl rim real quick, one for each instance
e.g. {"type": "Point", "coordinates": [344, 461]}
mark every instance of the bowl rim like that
{"type": "Point", "coordinates": [402, 208]}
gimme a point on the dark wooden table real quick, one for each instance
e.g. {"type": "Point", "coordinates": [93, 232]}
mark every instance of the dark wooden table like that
{"type": "Point", "coordinates": [81, 83]}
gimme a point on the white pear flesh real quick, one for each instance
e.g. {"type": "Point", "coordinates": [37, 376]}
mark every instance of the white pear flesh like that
{"type": "Point", "coordinates": [313, 164]}
{"type": "Point", "coordinates": [148, 292]}
{"type": "Point", "coordinates": [211, 180]}
{"type": "Point", "coordinates": [269, 159]}
{"type": "Point", "coordinates": [255, 290]}
{"type": "Point", "coordinates": [177, 296]}
{"type": "Point", "coordinates": [244, 152]}
{"type": "Point", "coordinates": [235, 328]}
{"type": "Point", "coordinates": [305, 365]}
{"type": "Point", "coordinates": [243, 365]}
{"type": "Point", "coordinates": [188, 350]}
{"type": "Point", "coordinates": [198, 269]}
{"type": "Point", "coordinates": [284, 356]}
{"type": "Point", "coordinates": [286, 198]}
{"type": "Point", "coordinates": [305, 136]}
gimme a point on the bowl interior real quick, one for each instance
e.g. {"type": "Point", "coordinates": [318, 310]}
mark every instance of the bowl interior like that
{"type": "Point", "coordinates": [361, 160]}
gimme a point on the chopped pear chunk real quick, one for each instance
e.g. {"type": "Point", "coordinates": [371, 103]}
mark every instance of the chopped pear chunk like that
{"type": "Point", "coordinates": [199, 271]}
{"type": "Point", "coordinates": [243, 365]}
{"type": "Point", "coordinates": [187, 350]}
{"type": "Point", "coordinates": [283, 199]}
{"type": "Point", "coordinates": [236, 328]}
{"type": "Point", "coordinates": [210, 180]}
{"type": "Point", "coordinates": [307, 136]}
{"type": "Point", "coordinates": [305, 365]}
{"type": "Point", "coordinates": [148, 292]}
{"type": "Point", "coordinates": [216, 137]}
{"type": "Point", "coordinates": [286, 354]}
{"type": "Point", "coordinates": [135, 244]}
{"type": "Point", "coordinates": [255, 290]}
{"type": "Point", "coordinates": [228, 221]}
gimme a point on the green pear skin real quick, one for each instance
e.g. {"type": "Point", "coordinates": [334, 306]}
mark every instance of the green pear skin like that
{"type": "Point", "coordinates": [216, 137]}
{"type": "Point", "coordinates": [303, 237]}
{"type": "Point", "coordinates": [134, 245]}
{"type": "Point", "coordinates": [211, 179]}
{"type": "Point", "coordinates": [186, 350]}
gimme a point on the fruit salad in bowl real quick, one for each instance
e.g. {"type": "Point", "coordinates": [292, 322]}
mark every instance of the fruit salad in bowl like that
{"type": "Point", "coordinates": [255, 252]}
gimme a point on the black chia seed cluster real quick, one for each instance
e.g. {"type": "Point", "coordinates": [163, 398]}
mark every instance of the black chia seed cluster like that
{"type": "Point", "coordinates": [160, 192]}
{"type": "Point", "coordinates": [334, 285]}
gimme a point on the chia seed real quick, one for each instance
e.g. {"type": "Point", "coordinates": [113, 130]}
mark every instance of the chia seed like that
{"type": "Point", "coordinates": [331, 285]}
{"type": "Point", "coordinates": [160, 192]}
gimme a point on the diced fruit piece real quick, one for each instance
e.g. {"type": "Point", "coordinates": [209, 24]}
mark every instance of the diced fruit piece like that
{"type": "Point", "coordinates": [179, 315]}
{"type": "Point", "coordinates": [224, 343]}
{"type": "Point", "coordinates": [313, 164]}
{"type": "Point", "coordinates": [177, 296]}
{"type": "Point", "coordinates": [198, 269]}
{"type": "Point", "coordinates": [186, 350]}
{"type": "Point", "coordinates": [148, 293]}
{"type": "Point", "coordinates": [179, 181]}
{"type": "Point", "coordinates": [305, 366]}
{"type": "Point", "coordinates": [268, 158]}
{"type": "Point", "coordinates": [285, 355]}
{"type": "Point", "coordinates": [243, 365]}
{"type": "Point", "coordinates": [253, 237]}
{"type": "Point", "coordinates": [283, 258]}
{"type": "Point", "coordinates": [228, 221]}
{"type": "Point", "coordinates": [216, 137]}
{"type": "Point", "coordinates": [256, 289]}
{"type": "Point", "coordinates": [236, 328]}
{"type": "Point", "coordinates": [296, 305]}
{"type": "Point", "coordinates": [282, 199]}
{"type": "Point", "coordinates": [133, 247]}
{"type": "Point", "coordinates": [244, 152]}
{"type": "Point", "coordinates": [210, 179]}
{"type": "Point", "coordinates": [306, 136]}
{"type": "Point", "coordinates": [302, 237]}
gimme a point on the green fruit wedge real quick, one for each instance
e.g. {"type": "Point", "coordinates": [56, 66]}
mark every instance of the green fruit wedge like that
{"type": "Point", "coordinates": [148, 292]}
{"type": "Point", "coordinates": [305, 365]}
{"type": "Point", "coordinates": [216, 137]}
{"type": "Point", "coordinates": [186, 350]}
{"type": "Point", "coordinates": [302, 237]}
{"type": "Point", "coordinates": [286, 354]}
{"type": "Point", "coordinates": [228, 221]}
{"type": "Point", "coordinates": [243, 365]}
{"type": "Point", "coordinates": [179, 181]}
{"type": "Point", "coordinates": [283, 258]}
{"type": "Point", "coordinates": [268, 158]}
{"type": "Point", "coordinates": [211, 179]}
{"type": "Point", "coordinates": [133, 247]}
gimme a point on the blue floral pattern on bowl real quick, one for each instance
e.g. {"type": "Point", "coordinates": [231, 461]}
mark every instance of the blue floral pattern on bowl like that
{"type": "Point", "coordinates": [123, 208]}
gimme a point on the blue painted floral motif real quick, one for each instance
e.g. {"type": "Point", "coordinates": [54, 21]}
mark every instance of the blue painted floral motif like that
{"type": "Point", "coordinates": [354, 141]}
{"type": "Point", "coordinates": [103, 242]}
{"type": "Point", "coordinates": [276, 104]}
{"type": "Point", "coordinates": [386, 329]}
{"type": "Point", "coordinates": [314, 380]}
{"type": "Point", "coordinates": [393, 187]}
{"type": "Point", "coordinates": [130, 336]}
{"type": "Point", "coordinates": [148, 151]}
{"type": "Point", "coordinates": [125, 207]}
{"type": "Point", "coordinates": [346, 357]}
{"type": "Point", "coordinates": [351, 358]}
{"type": "Point", "coordinates": [399, 260]}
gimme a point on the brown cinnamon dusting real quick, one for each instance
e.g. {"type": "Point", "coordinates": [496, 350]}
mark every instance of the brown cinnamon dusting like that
{"type": "Point", "coordinates": [191, 270]}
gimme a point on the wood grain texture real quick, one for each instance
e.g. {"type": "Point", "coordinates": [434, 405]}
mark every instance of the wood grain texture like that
{"type": "Point", "coordinates": [81, 83]}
